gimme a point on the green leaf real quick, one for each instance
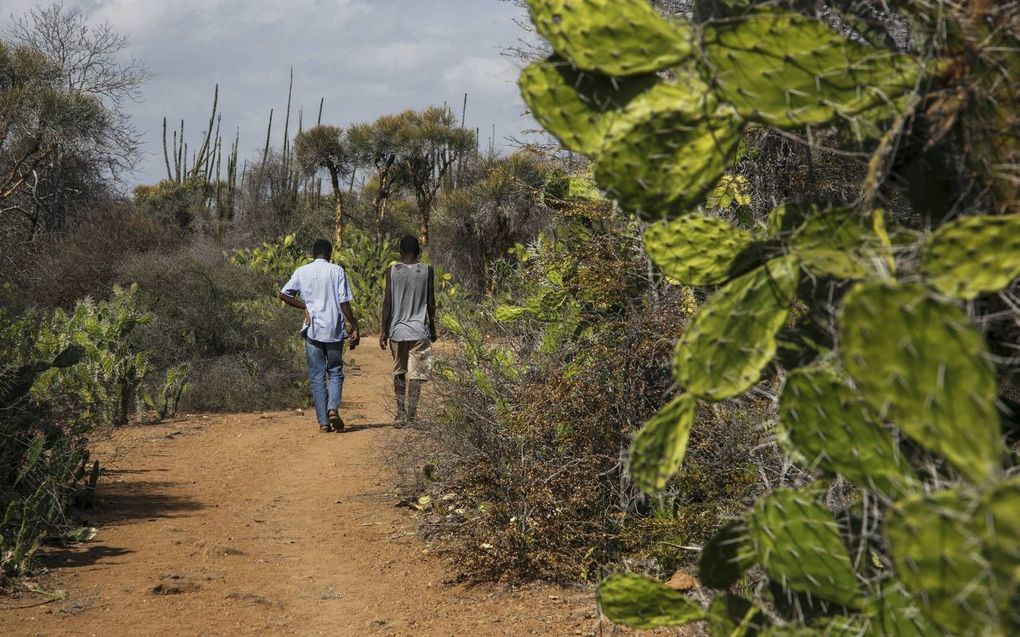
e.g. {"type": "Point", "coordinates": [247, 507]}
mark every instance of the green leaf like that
{"type": "Point", "coordinates": [69, 357]}
{"type": "Point", "coordinates": [789, 71]}
{"type": "Point", "coordinates": [798, 542]}
{"type": "Point", "coordinates": [509, 313]}
{"type": "Point", "coordinates": [697, 249]}
{"type": "Point", "coordinates": [828, 424]}
{"type": "Point", "coordinates": [83, 534]}
{"type": "Point", "coordinates": [575, 106]}
{"type": "Point", "coordinates": [32, 459]}
{"type": "Point", "coordinates": [615, 37]}
{"type": "Point", "coordinates": [452, 324]}
{"type": "Point", "coordinates": [659, 447]}
{"type": "Point", "coordinates": [974, 255]}
{"type": "Point", "coordinates": [958, 552]}
{"type": "Point", "coordinates": [641, 602]}
{"type": "Point", "coordinates": [920, 364]}
{"type": "Point", "coordinates": [733, 337]}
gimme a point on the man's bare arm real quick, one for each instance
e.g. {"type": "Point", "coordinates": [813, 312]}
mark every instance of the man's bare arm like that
{"type": "Point", "coordinates": [354, 333]}
{"type": "Point", "coordinates": [431, 305]}
{"type": "Point", "coordinates": [387, 314]}
{"type": "Point", "coordinates": [296, 302]}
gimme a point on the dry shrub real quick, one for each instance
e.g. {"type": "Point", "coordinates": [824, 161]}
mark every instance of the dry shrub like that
{"type": "Point", "coordinates": [537, 487]}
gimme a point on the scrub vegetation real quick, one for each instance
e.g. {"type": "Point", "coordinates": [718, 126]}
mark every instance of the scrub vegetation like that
{"type": "Point", "coordinates": [744, 319]}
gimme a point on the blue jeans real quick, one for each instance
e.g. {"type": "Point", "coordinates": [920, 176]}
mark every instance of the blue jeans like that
{"type": "Point", "coordinates": [325, 363]}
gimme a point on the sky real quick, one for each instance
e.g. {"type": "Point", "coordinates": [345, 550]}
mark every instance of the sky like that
{"type": "Point", "coordinates": [365, 57]}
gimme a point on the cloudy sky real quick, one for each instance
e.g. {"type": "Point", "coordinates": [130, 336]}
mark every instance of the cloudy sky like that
{"type": "Point", "coordinates": [365, 57]}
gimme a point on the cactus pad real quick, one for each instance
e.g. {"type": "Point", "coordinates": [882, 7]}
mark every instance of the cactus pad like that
{"type": "Point", "coordinates": [733, 616]}
{"type": "Point", "coordinates": [641, 602]}
{"type": "Point", "coordinates": [828, 424]}
{"type": "Point", "coordinates": [895, 614]}
{"type": "Point", "coordinates": [696, 249]}
{"type": "Point", "coordinates": [798, 542]}
{"type": "Point", "coordinates": [840, 243]}
{"type": "Point", "coordinates": [974, 255]}
{"type": "Point", "coordinates": [659, 448]}
{"type": "Point", "coordinates": [960, 551]}
{"type": "Point", "coordinates": [788, 71]}
{"type": "Point", "coordinates": [574, 106]}
{"type": "Point", "coordinates": [690, 151]}
{"type": "Point", "coordinates": [733, 337]}
{"type": "Point", "coordinates": [615, 37]}
{"type": "Point", "coordinates": [921, 365]}
{"type": "Point", "coordinates": [726, 556]}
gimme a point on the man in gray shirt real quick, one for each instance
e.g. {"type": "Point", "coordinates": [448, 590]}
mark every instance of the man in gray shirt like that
{"type": "Point", "coordinates": [326, 301]}
{"type": "Point", "coordinates": [409, 326]}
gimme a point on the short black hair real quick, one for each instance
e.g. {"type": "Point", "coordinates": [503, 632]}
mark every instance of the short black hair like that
{"type": "Point", "coordinates": [409, 246]}
{"type": "Point", "coordinates": [322, 249]}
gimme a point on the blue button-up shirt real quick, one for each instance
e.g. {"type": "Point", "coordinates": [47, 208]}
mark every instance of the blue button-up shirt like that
{"type": "Point", "coordinates": [323, 287]}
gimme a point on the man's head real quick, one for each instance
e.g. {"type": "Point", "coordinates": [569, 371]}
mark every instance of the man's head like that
{"type": "Point", "coordinates": [409, 247]}
{"type": "Point", "coordinates": [322, 249]}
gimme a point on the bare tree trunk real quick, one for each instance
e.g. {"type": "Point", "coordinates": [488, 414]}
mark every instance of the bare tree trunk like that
{"type": "Point", "coordinates": [425, 216]}
{"type": "Point", "coordinates": [338, 209]}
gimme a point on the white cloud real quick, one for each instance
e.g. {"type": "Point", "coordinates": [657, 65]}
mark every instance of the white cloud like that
{"type": "Point", "coordinates": [365, 57]}
{"type": "Point", "coordinates": [486, 76]}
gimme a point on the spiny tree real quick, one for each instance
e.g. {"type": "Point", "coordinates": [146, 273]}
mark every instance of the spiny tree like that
{"type": "Point", "coordinates": [427, 144]}
{"type": "Point", "coordinates": [500, 205]}
{"type": "Point", "coordinates": [374, 148]}
{"type": "Point", "coordinates": [326, 148]}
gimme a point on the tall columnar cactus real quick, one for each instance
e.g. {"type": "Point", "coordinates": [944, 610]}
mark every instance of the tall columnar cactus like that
{"type": "Point", "coordinates": [901, 400]}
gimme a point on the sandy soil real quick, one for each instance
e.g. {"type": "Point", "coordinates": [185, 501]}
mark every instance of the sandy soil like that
{"type": "Point", "coordinates": [258, 524]}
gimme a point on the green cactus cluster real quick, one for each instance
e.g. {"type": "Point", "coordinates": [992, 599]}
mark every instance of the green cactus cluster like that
{"type": "Point", "coordinates": [899, 400]}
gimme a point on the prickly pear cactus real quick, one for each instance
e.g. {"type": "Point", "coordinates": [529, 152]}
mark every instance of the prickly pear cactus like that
{"type": "Point", "coordinates": [615, 37]}
{"type": "Point", "coordinates": [959, 550]}
{"type": "Point", "coordinates": [733, 337]}
{"type": "Point", "coordinates": [974, 255]}
{"type": "Point", "coordinates": [645, 603]}
{"type": "Point", "coordinates": [898, 393]}
{"type": "Point", "coordinates": [660, 446]}
{"type": "Point", "coordinates": [561, 97]}
{"type": "Point", "coordinates": [920, 363]}
{"type": "Point", "coordinates": [822, 74]}
{"type": "Point", "coordinates": [827, 424]}
{"type": "Point", "coordinates": [698, 249]}
{"type": "Point", "coordinates": [798, 542]}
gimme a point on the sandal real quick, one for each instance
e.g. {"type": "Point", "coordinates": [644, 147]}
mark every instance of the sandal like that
{"type": "Point", "coordinates": [325, 429]}
{"type": "Point", "coordinates": [335, 420]}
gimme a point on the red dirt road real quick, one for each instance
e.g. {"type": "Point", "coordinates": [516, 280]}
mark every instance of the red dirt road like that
{"type": "Point", "coordinates": [259, 525]}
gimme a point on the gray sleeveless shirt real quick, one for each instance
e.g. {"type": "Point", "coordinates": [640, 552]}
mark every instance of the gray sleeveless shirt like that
{"type": "Point", "coordinates": [409, 289]}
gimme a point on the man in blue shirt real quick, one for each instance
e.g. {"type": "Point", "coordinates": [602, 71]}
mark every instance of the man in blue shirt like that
{"type": "Point", "coordinates": [326, 301]}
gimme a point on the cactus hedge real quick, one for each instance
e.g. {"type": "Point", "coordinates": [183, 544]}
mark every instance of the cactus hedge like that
{"type": "Point", "coordinates": [899, 397]}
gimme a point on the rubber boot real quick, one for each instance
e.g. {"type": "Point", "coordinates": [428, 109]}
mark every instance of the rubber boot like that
{"type": "Point", "coordinates": [400, 391]}
{"type": "Point", "coordinates": [413, 393]}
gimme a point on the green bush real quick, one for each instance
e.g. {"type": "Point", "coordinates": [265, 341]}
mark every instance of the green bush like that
{"type": "Point", "coordinates": [221, 321]}
{"type": "Point", "coordinates": [365, 260]}
{"type": "Point", "coordinates": [62, 377]}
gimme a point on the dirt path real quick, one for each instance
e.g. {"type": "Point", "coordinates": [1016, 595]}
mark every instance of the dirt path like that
{"type": "Point", "coordinates": [258, 524]}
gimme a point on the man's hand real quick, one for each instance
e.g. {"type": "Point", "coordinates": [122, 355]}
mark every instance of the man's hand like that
{"type": "Point", "coordinates": [355, 338]}
{"type": "Point", "coordinates": [308, 317]}
{"type": "Point", "coordinates": [433, 336]}
{"type": "Point", "coordinates": [383, 341]}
